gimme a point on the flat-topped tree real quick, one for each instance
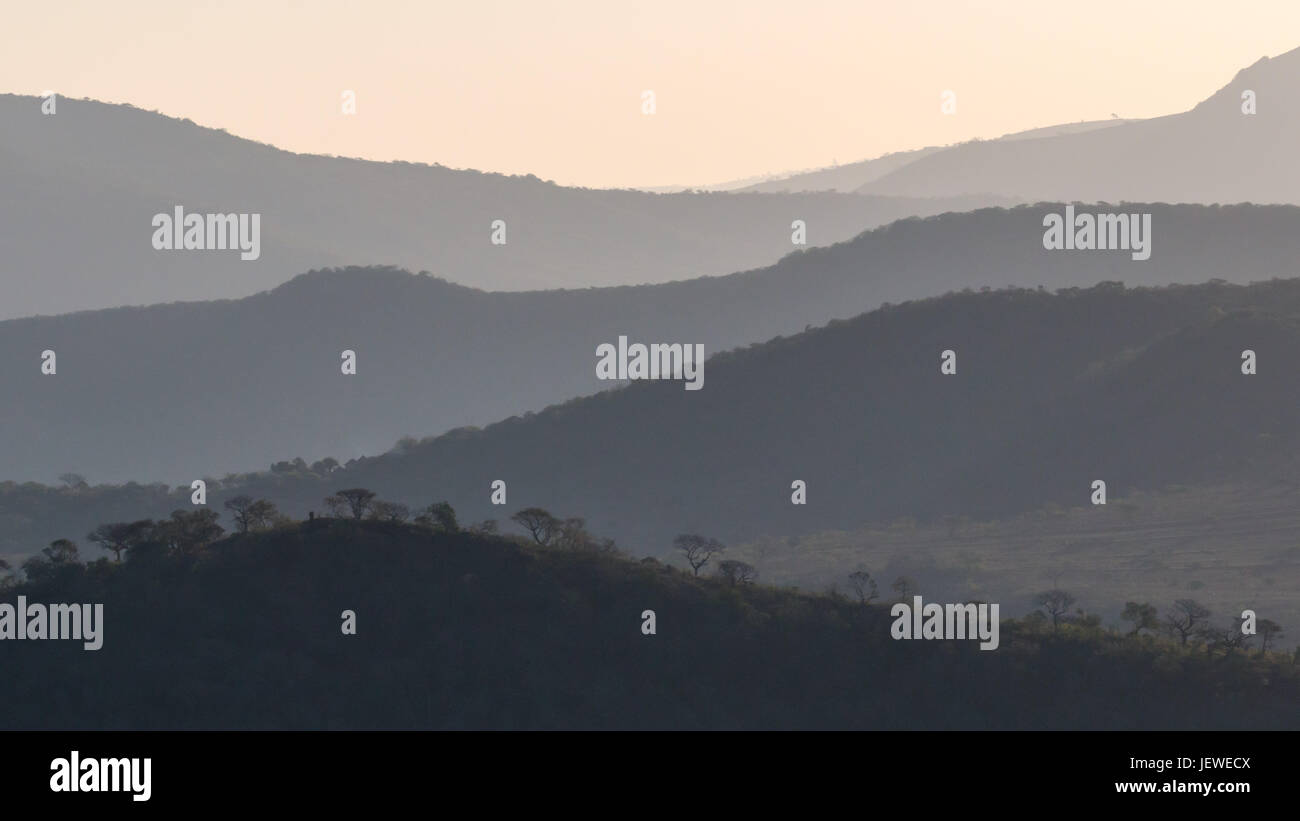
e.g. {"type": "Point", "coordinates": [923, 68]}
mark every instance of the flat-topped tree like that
{"type": "Point", "coordinates": [440, 516]}
{"type": "Point", "coordinates": [737, 572]}
{"type": "Point", "coordinates": [356, 500]}
{"type": "Point", "coordinates": [121, 536]}
{"type": "Point", "coordinates": [1055, 603]}
{"type": "Point", "coordinates": [1186, 620]}
{"type": "Point", "coordinates": [251, 514]}
{"type": "Point", "coordinates": [698, 549]}
{"type": "Point", "coordinates": [541, 525]}
{"type": "Point", "coordinates": [863, 585]}
{"type": "Point", "coordinates": [1144, 616]}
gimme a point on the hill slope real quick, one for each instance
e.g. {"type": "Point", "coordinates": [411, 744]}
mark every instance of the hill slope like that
{"type": "Point", "coordinates": [173, 392]}
{"type": "Point", "coordinates": [82, 187]}
{"type": "Point", "coordinates": [1212, 153]}
{"type": "Point", "coordinates": [1137, 388]}
{"type": "Point", "coordinates": [1140, 388]}
{"type": "Point", "coordinates": [854, 176]}
{"type": "Point", "coordinates": [456, 631]}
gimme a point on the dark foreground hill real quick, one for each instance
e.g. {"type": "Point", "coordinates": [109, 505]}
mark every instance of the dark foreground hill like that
{"type": "Point", "coordinates": [460, 631]}
{"type": "Point", "coordinates": [174, 392]}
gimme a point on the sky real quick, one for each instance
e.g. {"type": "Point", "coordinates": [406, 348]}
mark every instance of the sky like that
{"type": "Point", "coordinates": [557, 89]}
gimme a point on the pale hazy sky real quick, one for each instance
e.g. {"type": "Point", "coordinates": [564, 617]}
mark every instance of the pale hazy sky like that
{"type": "Point", "coordinates": [554, 89]}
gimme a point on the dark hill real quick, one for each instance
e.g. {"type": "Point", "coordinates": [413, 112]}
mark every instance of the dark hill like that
{"type": "Point", "coordinates": [457, 631]}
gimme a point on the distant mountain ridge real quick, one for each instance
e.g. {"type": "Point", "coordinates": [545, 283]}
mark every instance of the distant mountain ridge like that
{"type": "Point", "coordinates": [1140, 388]}
{"type": "Point", "coordinates": [82, 186]}
{"type": "Point", "coordinates": [1213, 153]}
{"type": "Point", "coordinates": [854, 176]}
{"type": "Point", "coordinates": [172, 392]}
{"type": "Point", "coordinates": [1210, 154]}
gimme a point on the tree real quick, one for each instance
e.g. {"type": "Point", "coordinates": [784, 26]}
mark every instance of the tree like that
{"type": "Point", "coordinates": [487, 527]}
{"type": "Point", "coordinates": [863, 585]}
{"type": "Point", "coordinates": [239, 507]}
{"type": "Point", "coordinates": [1222, 638]}
{"type": "Point", "coordinates": [58, 557]}
{"type": "Point", "coordinates": [542, 526]}
{"type": "Point", "coordinates": [357, 499]}
{"type": "Point", "coordinates": [1186, 619]}
{"type": "Point", "coordinates": [61, 551]}
{"type": "Point", "coordinates": [120, 536]}
{"type": "Point", "coordinates": [441, 516]}
{"type": "Point", "coordinates": [697, 549]}
{"type": "Point", "coordinates": [188, 531]}
{"type": "Point", "coordinates": [325, 466]}
{"type": "Point", "coordinates": [1055, 603]}
{"type": "Point", "coordinates": [262, 514]}
{"type": "Point", "coordinates": [336, 505]}
{"type": "Point", "coordinates": [73, 480]}
{"type": "Point", "coordinates": [737, 572]}
{"type": "Point", "coordinates": [251, 514]}
{"type": "Point", "coordinates": [1144, 616]}
{"type": "Point", "coordinates": [904, 586]}
{"type": "Point", "coordinates": [573, 535]}
{"type": "Point", "coordinates": [1267, 630]}
{"type": "Point", "coordinates": [389, 511]}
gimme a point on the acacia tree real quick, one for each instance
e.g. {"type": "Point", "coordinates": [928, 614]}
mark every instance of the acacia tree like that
{"type": "Point", "coordinates": [336, 506]}
{"type": "Point", "coordinates": [61, 551]}
{"type": "Point", "coordinates": [188, 531]}
{"type": "Point", "coordinates": [1186, 619]}
{"type": "Point", "coordinates": [325, 466]}
{"type": "Point", "coordinates": [541, 525]}
{"type": "Point", "coordinates": [1267, 629]}
{"type": "Point", "coordinates": [441, 516]}
{"type": "Point", "coordinates": [358, 500]}
{"type": "Point", "coordinates": [573, 535]}
{"type": "Point", "coordinates": [389, 511]}
{"type": "Point", "coordinates": [1226, 638]}
{"type": "Point", "coordinates": [121, 536]}
{"type": "Point", "coordinates": [904, 586]}
{"type": "Point", "coordinates": [250, 514]}
{"type": "Point", "coordinates": [1144, 616]}
{"type": "Point", "coordinates": [863, 585]}
{"type": "Point", "coordinates": [238, 507]}
{"type": "Point", "coordinates": [737, 572]}
{"type": "Point", "coordinates": [1055, 603]}
{"type": "Point", "coordinates": [262, 514]}
{"type": "Point", "coordinates": [697, 549]}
